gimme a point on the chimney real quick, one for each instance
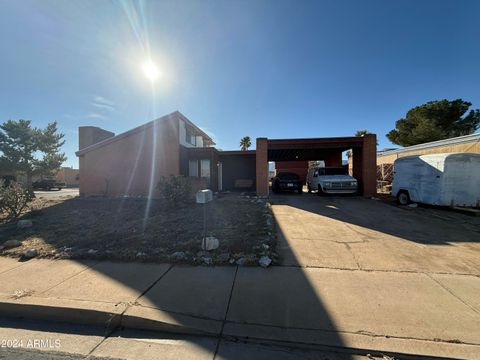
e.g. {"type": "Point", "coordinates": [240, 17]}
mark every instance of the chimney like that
{"type": "Point", "coordinates": [89, 135]}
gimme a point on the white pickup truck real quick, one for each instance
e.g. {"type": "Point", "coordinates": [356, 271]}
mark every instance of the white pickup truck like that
{"type": "Point", "coordinates": [331, 181]}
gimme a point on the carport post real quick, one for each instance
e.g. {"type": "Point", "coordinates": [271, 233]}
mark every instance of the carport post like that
{"type": "Point", "coordinates": [369, 165]}
{"type": "Point", "coordinates": [262, 166]}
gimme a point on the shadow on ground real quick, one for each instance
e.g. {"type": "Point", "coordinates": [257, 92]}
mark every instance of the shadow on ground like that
{"type": "Point", "coordinates": [193, 297]}
{"type": "Point", "coordinates": [424, 225]}
{"type": "Point", "coordinates": [232, 301]}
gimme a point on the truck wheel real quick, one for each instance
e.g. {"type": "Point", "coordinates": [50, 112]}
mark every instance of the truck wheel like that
{"type": "Point", "coordinates": [403, 198]}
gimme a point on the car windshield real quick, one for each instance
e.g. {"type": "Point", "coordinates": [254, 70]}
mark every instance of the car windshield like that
{"type": "Point", "coordinates": [287, 176]}
{"type": "Point", "coordinates": [332, 171]}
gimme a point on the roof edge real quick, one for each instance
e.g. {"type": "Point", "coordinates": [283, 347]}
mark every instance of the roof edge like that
{"type": "Point", "coordinates": [137, 129]}
{"type": "Point", "coordinates": [432, 144]}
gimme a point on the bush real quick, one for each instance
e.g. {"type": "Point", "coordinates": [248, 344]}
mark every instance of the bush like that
{"type": "Point", "coordinates": [14, 200]}
{"type": "Point", "coordinates": [175, 190]}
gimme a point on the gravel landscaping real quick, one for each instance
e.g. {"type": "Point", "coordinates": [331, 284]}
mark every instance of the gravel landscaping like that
{"type": "Point", "coordinates": [240, 231]}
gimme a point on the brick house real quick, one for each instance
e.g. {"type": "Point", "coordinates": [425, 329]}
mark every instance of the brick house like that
{"type": "Point", "coordinates": [132, 163]}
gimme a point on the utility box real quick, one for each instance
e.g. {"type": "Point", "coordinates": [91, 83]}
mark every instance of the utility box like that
{"type": "Point", "coordinates": [204, 196]}
{"type": "Point", "coordinates": [438, 179]}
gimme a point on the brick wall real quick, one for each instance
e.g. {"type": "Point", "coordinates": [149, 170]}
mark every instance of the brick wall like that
{"type": "Point", "coordinates": [124, 167]}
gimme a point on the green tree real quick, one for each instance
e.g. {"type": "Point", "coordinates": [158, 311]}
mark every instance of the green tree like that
{"type": "Point", "coordinates": [245, 143]}
{"type": "Point", "coordinates": [28, 150]}
{"type": "Point", "coordinates": [435, 120]}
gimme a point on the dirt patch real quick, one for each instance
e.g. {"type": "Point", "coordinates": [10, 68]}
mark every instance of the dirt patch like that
{"type": "Point", "coordinates": [123, 229]}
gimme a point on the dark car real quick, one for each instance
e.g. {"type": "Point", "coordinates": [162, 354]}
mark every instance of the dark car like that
{"type": "Point", "coordinates": [287, 181]}
{"type": "Point", "coordinates": [48, 184]}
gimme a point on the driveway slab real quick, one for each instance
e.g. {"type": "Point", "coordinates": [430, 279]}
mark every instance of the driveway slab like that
{"type": "Point", "coordinates": [37, 276]}
{"type": "Point", "coordinates": [466, 288]}
{"type": "Point", "coordinates": [110, 282]}
{"type": "Point", "coordinates": [357, 233]}
{"type": "Point", "coordinates": [9, 263]}
{"type": "Point", "coordinates": [404, 305]}
{"type": "Point", "coordinates": [190, 290]}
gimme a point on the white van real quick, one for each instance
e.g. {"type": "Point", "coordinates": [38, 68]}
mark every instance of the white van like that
{"type": "Point", "coordinates": [438, 179]}
{"type": "Point", "coordinates": [331, 181]}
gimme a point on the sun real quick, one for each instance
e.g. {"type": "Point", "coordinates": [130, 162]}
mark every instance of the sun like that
{"type": "Point", "coordinates": [151, 70]}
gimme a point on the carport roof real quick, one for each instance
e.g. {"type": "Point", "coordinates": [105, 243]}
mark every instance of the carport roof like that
{"type": "Point", "coordinates": [344, 143]}
{"type": "Point", "coordinates": [310, 148]}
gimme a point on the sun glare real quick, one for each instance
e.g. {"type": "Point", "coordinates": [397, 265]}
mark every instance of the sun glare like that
{"type": "Point", "coordinates": [150, 70]}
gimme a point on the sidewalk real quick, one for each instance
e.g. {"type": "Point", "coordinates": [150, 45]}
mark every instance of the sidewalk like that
{"type": "Point", "coordinates": [377, 311]}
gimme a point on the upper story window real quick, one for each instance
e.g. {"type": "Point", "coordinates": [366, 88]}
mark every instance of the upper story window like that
{"type": "Point", "coordinates": [190, 138]}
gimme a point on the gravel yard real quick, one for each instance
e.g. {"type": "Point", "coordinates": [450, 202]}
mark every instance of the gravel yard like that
{"type": "Point", "coordinates": [117, 229]}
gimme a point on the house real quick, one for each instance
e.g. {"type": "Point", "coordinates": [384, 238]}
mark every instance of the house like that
{"type": "Point", "coordinates": [465, 144]}
{"type": "Point", "coordinates": [68, 175]}
{"type": "Point", "coordinates": [132, 163]}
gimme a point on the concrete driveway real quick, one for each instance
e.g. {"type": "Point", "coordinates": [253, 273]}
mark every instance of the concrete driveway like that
{"type": "Point", "coordinates": [355, 273]}
{"type": "Point", "coordinates": [57, 194]}
{"type": "Point", "coordinates": [357, 233]}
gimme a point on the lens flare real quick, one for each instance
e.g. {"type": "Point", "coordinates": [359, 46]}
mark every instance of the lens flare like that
{"type": "Point", "coordinates": [151, 70]}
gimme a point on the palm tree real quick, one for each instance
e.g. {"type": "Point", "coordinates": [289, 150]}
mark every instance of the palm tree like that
{"type": "Point", "coordinates": [362, 132]}
{"type": "Point", "coordinates": [245, 143]}
{"type": "Point", "coordinates": [359, 133]}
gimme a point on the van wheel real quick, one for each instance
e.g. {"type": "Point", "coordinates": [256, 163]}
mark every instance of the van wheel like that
{"type": "Point", "coordinates": [309, 188]}
{"type": "Point", "coordinates": [403, 198]}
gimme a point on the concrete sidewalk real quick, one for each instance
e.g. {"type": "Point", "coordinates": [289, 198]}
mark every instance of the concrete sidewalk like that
{"type": "Point", "coordinates": [375, 311]}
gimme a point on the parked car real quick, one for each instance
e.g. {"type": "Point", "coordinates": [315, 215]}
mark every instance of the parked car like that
{"type": "Point", "coordinates": [287, 181]}
{"type": "Point", "coordinates": [331, 180]}
{"type": "Point", "coordinates": [438, 179]}
{"type": "Point", "coordinates": [48, 184]}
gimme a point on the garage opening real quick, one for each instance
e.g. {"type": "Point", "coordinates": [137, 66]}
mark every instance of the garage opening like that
{"type": "Point", "coordinates": [295, 155]}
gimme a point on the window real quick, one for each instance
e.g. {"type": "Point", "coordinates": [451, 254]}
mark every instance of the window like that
{"type": "Point", "coordinates": [193, 168]}
{"type": "Point", "coordinates": [190, 138]}
{"type": "Point", "coordinates": [205, 168]}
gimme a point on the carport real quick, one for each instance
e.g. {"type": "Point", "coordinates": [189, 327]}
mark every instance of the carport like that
{"type": "Point", "coordinates": [364, 155]}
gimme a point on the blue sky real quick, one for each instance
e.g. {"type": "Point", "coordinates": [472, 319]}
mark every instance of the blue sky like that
{"type": "Point", "coordinates": [259, 68]}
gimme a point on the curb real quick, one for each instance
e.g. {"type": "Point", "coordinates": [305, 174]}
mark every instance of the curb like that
{"type": "Point", "coordinates": [109, 317]}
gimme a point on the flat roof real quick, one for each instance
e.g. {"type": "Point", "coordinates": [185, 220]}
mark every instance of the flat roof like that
{"type": "Point", "coordinates": [433, 144]}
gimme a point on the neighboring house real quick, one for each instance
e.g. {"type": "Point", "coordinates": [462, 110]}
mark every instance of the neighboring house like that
{"type": "Point", "coordinates": [386, 158]}
{"type": "Point", "coordinates": [132, 163]}
{"type": "Point", "coordinates": [465, 144]}
{"type": "Point", "coordinates": [69, 176]}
